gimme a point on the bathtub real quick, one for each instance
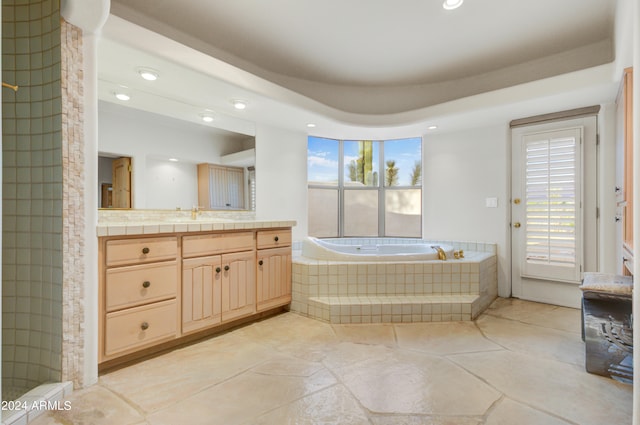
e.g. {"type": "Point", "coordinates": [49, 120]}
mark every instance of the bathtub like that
{"type": "Point", "coordinates": [371, 250]}
{"type": "Point", "coordinates": [391, 280]}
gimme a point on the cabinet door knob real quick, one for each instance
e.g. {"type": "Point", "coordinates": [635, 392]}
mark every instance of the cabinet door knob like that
{"type": "Point", "coordinates": [146, 284]}
{"type": "Point", "coordinates": [144, 326]}
{"type": "Point", "coordinates": [226, 268]}
{"type": "Point", "coordinates": [260, 262]}
{"type": "Point", "coordinates": [218, 269]}
{"type": "Point", "coordinates": [145, 250]}
{"type": "Point", "coordinates": [276, 239]}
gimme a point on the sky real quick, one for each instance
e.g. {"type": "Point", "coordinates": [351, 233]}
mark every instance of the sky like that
{"type": "Point", "coordinates": [322, 158]}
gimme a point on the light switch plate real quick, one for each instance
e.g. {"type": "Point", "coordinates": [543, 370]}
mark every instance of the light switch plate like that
{"type": "Point", "coordinates": [491, 202]}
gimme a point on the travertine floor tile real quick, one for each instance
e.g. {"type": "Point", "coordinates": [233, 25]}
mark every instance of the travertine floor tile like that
{"type": "Point", "coordinates": [346, 354]}
{"type": "Point", "coordinates": [536, 340]}
{"type": "Point", "coordinates": [241, 399]}
{"type": "Point", "coordinates": [520, 363]}
{"type": "Point", "coordinates": [509, 412]}
{"type": "Point", "coordinates": [380, 334]}
{"type": "Point", "coordinates": [562, 389]}
{"type": "Point", "coordinates": [293, 335]}
{"type": "Point", "coordinates": [93, 406]}
{"type": "Point", "coordinates": [333, 405]}
{"type": "Point", "coordinates": [415, 383]}
{"type": "Point", "coordinates": [567, 319]}
{"type": "Point", "coordinates": [423, 420]}
{"type": "Point", "coordinates": [280, 365]}
{"type": "Point", "coordinates": [161, 381]}
{"type": "Point", "coordinates": [443, 338]}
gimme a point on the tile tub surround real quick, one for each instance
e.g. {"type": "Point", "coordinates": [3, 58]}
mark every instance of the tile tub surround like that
{"type": "Point", "coordinates": [397, 292]}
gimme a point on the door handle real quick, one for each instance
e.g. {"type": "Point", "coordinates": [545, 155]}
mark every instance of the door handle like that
{"type": "Point", "coordinates": [517, 224]}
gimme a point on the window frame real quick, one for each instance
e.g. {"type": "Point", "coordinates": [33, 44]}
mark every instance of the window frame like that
{"type": "Point", "coordinates": [381, 188]}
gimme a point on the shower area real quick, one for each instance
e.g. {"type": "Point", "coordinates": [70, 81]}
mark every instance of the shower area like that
{"type": "Point", "coordinates": [32, 196]}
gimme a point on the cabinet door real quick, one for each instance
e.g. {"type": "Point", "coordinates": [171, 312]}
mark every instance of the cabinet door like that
{"type": "Point", "coordinates": [273, 278]}
{"type": "Point", "coordinates": [238, 285]}
{"type": "Point", "coordinates": [201, 293]}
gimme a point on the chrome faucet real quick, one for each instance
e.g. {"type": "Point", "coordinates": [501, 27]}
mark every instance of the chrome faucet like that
{"type": "Point", "coordinates": [441, 254]}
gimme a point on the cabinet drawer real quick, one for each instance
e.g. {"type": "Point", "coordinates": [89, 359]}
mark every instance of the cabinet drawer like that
{"type": "Point", "coordinates": [274, 238]}
{"type": "Point", "coordinates": [135, 285]}
{"type": "Point", "coordinates": [143, 250]}
{"type": "Point", "coordinates": [140, 326]}
{"type": "Point", "coordinates": [203, 245]}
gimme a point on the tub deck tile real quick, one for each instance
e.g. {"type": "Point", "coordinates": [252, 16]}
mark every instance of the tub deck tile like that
{"type": "Point", "coordinates": [395, 309]}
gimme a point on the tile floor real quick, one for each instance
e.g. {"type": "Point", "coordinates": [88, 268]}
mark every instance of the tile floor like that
{"type": "Point", "coordinates": [519, 363]}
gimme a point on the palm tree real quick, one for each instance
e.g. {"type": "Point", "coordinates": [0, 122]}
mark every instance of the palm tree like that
{"type": "Point", "coordinates": [416, 174]}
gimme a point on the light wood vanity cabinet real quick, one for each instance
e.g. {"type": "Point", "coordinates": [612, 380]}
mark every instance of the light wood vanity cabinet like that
{"type": "Point", "coordinates": [217, 288]}
{"type": "Point", "coordinates": [273, 280]}
{"type": "Point", "coordinates": [139, 289]}
{"type": "Point", "coordinates": [201, 293]}
{"type": "Point", "coordinates": [624, 181]}
{"type": "Point", "coordinates": [157, 289]}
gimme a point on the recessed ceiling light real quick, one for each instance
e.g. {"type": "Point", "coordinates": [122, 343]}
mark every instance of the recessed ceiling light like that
{"type": "Point", "coordinates": [148, 74]}
{"type": "Point", "coordinates": [452, 4]}
{"type": "Point", "coordinates": [122, 96]}
{"type": "Point", "coordinates": [432, 127]}
{"type": "Point", "coordinates": [239, 104]}
{"type": "Point", "coordinates": [173, 159]}
{"type": "Point", "coordinates": [207, 117]}
{"type": "Point", "coordinates": [311, 125]}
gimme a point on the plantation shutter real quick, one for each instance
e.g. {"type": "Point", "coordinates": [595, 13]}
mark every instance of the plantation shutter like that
{"type": "Point", "coordinates": [553, 204]}
{"type": "Point", "coordinates": [226, 187]}
{"type": "Point", "coordinates": [252, 188]}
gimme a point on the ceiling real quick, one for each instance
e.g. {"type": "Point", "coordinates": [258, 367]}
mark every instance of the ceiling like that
{"type": "Point", "coordinates": [365, 62]}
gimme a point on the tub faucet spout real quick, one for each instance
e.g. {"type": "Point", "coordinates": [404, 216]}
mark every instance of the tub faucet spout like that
{"type": "Point", "coordinates": [441, 254]}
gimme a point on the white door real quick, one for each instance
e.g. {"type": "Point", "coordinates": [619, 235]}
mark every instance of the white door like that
{"type": "Point", "coordinates": [553, 211]}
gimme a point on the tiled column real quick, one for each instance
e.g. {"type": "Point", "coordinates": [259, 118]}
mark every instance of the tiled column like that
{"type": "Point", "coordinates": [72, 204]}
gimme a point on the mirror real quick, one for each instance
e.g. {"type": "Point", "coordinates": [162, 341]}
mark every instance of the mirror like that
{"type": "Point", "coordinates": [160, 128]}
{"type": "Point", "coordinates": [150, 161]}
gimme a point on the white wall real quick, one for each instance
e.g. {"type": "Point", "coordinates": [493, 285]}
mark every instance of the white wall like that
{"type": "Point", "coordinates": [281, 177]}
{"type": "Point", "coordinates": [150, 139]}
{"type": "Point", "coordinates": [171, 185]}
{"type": "Point", "coordinates": [461, 170]}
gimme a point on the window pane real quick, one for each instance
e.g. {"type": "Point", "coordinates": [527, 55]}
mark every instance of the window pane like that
{"type": "Point", "coordinates": [323, 212]}
{"type": "Point", "coordinates": [361, 212]}
{"type": "Point", "coordinates": [322, 161]}
{"type": "Point", "coordinates": [361, 163]}
{"type": "Point", "coordinates": [403, 162]}
{"type": "Point", "coordinates": [403, 212]}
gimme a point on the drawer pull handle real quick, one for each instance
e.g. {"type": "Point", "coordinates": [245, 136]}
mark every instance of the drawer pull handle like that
{"type": "Point", "coordinates": [260, 262]}
{"type": "Point", "coordinates": [226, 268]}
{"type": "Point", "coordinates": [276, 239]}
{"type": "Point", "coordinates": [146, 284]}
{"type": "Point", "coordinates": [145, 250]}
{"type": "Point", "coordinates": [218, 269]}
{"type": "Point", "coordinates": [144, 326]}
